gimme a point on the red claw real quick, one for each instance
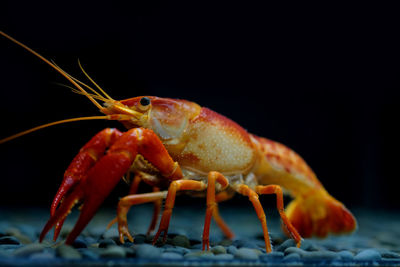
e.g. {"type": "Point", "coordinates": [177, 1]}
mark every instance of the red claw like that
{"type": "Point", "coordinates": [92, 191]}
{"type": "Point", "coordinates": [60, 214]}
{"type": "Point", "coordinates": [66, 185]}
{"type": "Point", "coordinates": [95, 171]}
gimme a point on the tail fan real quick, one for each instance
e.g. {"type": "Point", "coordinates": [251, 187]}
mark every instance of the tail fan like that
{"type": "Point", "coordinates": [320, 214]}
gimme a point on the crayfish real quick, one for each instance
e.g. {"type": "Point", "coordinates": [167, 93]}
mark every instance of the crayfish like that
{"type": "Point", "coordinates": [176, 145]}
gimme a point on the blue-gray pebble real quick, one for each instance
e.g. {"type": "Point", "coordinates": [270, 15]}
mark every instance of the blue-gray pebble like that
{"type": "Point", "coordinates": [79, 243]}
{"type": "Point", "coordinates": [291, 250]}
{"type": "Point", "coordinates": [320, 255]}
{"type": "Point", "coordinates": [47, 255]}
{"type": "Point", "coordinates": [232, 249]}
{"type": "Point", "coordinates": [246, 254]}
{"type": "Point", "coordinates": [9, 240]}
{"type": "Point", "coordinates": [28, 250]}
{"type": "Point", "coordinates": [390, 255]}
{"type": "Point", "coordinates": [292, 257]}
{"type": "Point", "coordinates": [68, 252]}
{"type": "Point", "coordinates": [113, 252]}
{"type": "Point", "coordinates": [224, 257]}
{"type": "Point", "coordinates": [218, 250]}
{"type": "Point", "coordinates": [179, 250]}
{"type": "Point", "coordinates": [89, 253]}
{"type": "Point", "coordinates": [147, 251]}
{"type": "Point", "coordinates": [272, 256]}
{"type": "Point", "coordinates": [287, 243]}
{"type": "Point", "coordinates": [368, 255]}
{"type": "Point", "coordinates": [106, 243]}
{"type": "Point", "coordinates": [199, 254]}
{"type": "Point", "coordinates": [181, 241]}
{"type": "Point", "coordinates": [171, 256]}
{"type": "Point", "coordinates": [346, 255]}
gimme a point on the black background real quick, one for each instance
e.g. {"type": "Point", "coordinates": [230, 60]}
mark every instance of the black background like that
{"type": "Point", "coordinates": [322, 79]}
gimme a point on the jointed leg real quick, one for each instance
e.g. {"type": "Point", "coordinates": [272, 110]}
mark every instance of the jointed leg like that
{"type": "Point", "coordinates": [134, 187]}
{"type": "Point", "coordinates": [211, 203]}
{"type": "Point", "coordinates": [135, 184]}
{"type": "Point", "coordinates": [170, 201]}
{"type": "Point", "coordinates": [156, 211]}
{"type": "Point", "coordinates": [156, 208]}
{"type": "Point", "coordinates": [128, 201]}
{"type": "Point", "coordinates": [276, 189]}
{"type": "Point", "coordinates": [222, 196]}
{"type": "Point", "coordinates": [253, 197]}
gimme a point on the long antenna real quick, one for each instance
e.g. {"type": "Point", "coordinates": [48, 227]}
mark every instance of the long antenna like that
{"type": "Point", "coordinates": [51, 124]}
{"type": "Point", "coordinates": [54, 67]}
{"type": "Point", "coordinates": [75, 82]}
{"type": "Point", "coordinates": [118, 117]}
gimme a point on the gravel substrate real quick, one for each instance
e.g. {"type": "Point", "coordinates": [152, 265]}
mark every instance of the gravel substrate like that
{"type": "Point", "coordinates": [377, 241]}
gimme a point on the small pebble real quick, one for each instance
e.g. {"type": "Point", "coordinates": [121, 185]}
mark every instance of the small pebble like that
{"type": "Point", "coordinates": [104, 243]}
{"type": "Point", "coordinates": [90, 240]}
{"type": "Point", "coordinates": [297, 250]}
{"type": "Point", "coordinates": [9, 247]}
{"type": "Point", "coordinates": [224, 257]}
{"type": "Point", "coordinates": [244, 244]}
{"type": "Point", "coordinates": [246, 254]}
{"type": "Point", "coordinates": [167, 246]}
{"type": "Point", "coordinates": [390, 255]}
{"type": "Point", "coordinates": [126, 244]}
{"type": "Point", "coordinates": [79, 243]}
{"type": "Point", "coordinates": [199, 254]}
{"type": "Point", "coordinates": [28, 250]}
{"type": "Point", "coordinates": [22, 238]}
{"type": "Point", "coordinates": [308, 246]}
{"type": "Point", "coordinates": [346, 255]}
{"type": "Point", "coordinates": [272, 255]}
{"type": "Point", "coordinates": [368, 255]}
{"type": "Point", "coordinates": [89, 253]}
{"type": "Point", "coordinates": [9, 240]}
{"type": "Point", "coordinates": [320, 255]}
{"type": "Point", "coordinates": [225, 242]}
{"type": "Point", "coordinates": [113, 252]}
{"type": "Point", "coordinates": [147, 251]}
{"type": "Point", "coordinates": [68, 252]}
{"type": "Point", "coordinates": [287, 243]}
{"type": "Point", "coordinates": [218, 250]}
{"type": "Point", "coordinates": [179, 250]}
{"type": "Point", "coordinates": [47, 243]}
{"type": "Point", "coordinates": [171, 256]}
{"type": "Point", "coordinates": [47, 255]}
{"type": "Point", "coordinates": [139, 239]}
{"type": "Point", "coordinates": [181, 241]}
{"type": "Point", "coordinates": [292, 257]}
{"type": "Point", "coordinates": [232, 250]}
{"type": "Point", "coordinates": [130, 252]}
{"type": "Point", "coordinates": [29, 231]}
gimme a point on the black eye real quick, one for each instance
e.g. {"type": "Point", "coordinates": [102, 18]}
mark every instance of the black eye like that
{"type": "Point", "coordinates": [145, 101]}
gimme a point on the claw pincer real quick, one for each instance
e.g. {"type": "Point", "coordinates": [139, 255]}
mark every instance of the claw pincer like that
{"type": "Point", "coordinates": [95, 171]}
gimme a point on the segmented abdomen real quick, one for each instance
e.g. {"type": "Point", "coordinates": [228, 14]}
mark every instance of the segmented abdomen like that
{"type": "Point", "coordinates": [285, 167]}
